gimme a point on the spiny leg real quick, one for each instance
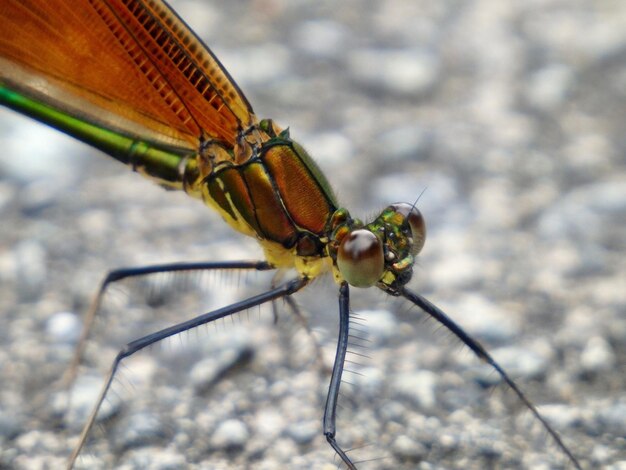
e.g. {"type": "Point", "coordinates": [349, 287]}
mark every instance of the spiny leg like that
{"type": "Point", "coordinates": [131, 348]}
{"type": "Point", "coordinates": [125, 273]}
{"type": "Point", "coordinates": [297, 312]}
{"type": "Point", "coordinates": [330, 411]}
{"type": "Point", "coordinates": [319, 353]}
{"type": "Point", "coordinates": [438, 314]}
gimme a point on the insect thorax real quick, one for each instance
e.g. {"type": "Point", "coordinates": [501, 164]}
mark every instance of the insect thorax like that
{"type": "Point", "coordinates": [268, 187]}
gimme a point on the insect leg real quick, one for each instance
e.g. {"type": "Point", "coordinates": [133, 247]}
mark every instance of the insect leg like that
{"type": "Point", "coordinates": [319, 354]}
{"type": "Point", "coordinates": [438, 314]}
{"type": "Point", "coordinates": [124, 273]}
{"type": "Point", "coordinates": [330, 410]}
{"type": "Point", "coordinates": [131, 348]}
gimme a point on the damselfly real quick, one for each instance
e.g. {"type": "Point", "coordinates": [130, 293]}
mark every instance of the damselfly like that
{"type": "Point", "coordinates": [131, 79]}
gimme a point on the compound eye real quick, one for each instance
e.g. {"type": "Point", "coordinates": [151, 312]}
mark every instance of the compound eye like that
{"type": "Point", "coordinates": [416, 222]}
{"type": "Point", "coordinates": [360, 258]}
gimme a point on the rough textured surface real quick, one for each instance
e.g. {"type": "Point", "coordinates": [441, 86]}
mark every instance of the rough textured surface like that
{"type": "Point", "coordinates": [510, 116]}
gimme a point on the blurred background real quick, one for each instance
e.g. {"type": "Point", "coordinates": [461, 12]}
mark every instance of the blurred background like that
{"type": "Point", "coordinates": [509, 118]}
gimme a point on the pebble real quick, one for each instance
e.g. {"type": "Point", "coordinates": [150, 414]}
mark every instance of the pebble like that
{"type": "Point", "coordinates": [259, 65]}
{"type": "Point", "coordinates": [153, 458]}
{"type": "Point", "coordinates": [558, 415]}
{"type": "Point", "coordinates": [36, 462]}
{"type": "Point", "coordinates": [30, 263]}
{"type": "Point", "coordinates": [303, 433]}
{"type": "Point", "coordinates": [548, 87]}
{"type": "Point", "coordinates": [406, 448]}
{"type": "Point", "coordinates": [39, 195]}
{"type": "Point", "coordinates": [405, 143]}
{"type": "Point", "coordinates": [613, 418]}
{"type": "Point", "coordinates": [369, 380]}
{"type": "Point", "coordinates": [206, 372]}
{"type": "Point", "coordinates": [53, 162]}
{"type": "Point", "coordinates": [419, 387]}
{"type": "Point", "coordinates": [402, 71]}
{"type": "Point", "coordinates": [35, 441]}
{"type": "Point", "coordinates": [380, 326]}
{"type": "Point", "coordinates": [321, 38]}
{"type": "Point", "coordinates": [620, 465]}
{"type": "Point", "coordinates": [580, 214]}
{"type": "Point", "coordinates": [483, 319]}
{"type": "Point", "coordinates": [269, 423]}
{"type": "Point", "coordinates": [598, 355]}
{"type": "Point", "coordinates": [139, 430]}
{"type": "Point", "coordinates": [519, 363]}
{"type": "Point", "coordinates": [332, 149]}
{"type": "Point", "coordinates": [64, 327]}
{"type": "Point", "coordinates": [82, 398]}
{"type": "Point", "coordinates": [458, 270]}
{"type": "Point", "coordinates": [230, 434]}
{"type": "Point", "coordinates": [399, 187]}
{"type": "Point", "coordinates": [393, 411]}
{"type": "Point", "coordinates": [8, 194]}
{"type": "Point", "coordinates": [11, 424]}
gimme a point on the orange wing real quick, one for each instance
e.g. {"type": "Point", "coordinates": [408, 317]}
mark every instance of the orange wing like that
{"type": "Point", "coordinates": [128, 64]}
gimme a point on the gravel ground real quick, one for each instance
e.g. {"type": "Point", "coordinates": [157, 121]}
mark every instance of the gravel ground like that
{"type": "Point", "coordinates": [508, 116]}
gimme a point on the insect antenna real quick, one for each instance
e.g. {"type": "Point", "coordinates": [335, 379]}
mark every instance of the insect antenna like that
{"type": "Point", "coordinates": [436, 313]}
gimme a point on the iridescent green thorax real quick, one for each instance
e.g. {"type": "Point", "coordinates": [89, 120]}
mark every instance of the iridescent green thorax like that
{"type": "Point", "coordinates": [268, 187]}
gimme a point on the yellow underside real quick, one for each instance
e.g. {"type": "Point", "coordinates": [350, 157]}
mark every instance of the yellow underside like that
{"type": "Point", "coordinates": [307, 266]}
{"type": "Point", "coordinates": [276, 254]}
